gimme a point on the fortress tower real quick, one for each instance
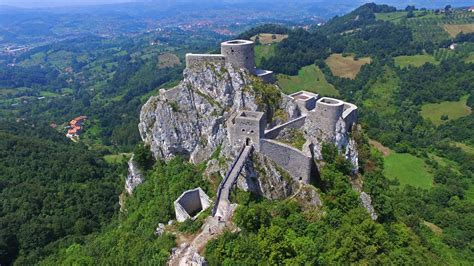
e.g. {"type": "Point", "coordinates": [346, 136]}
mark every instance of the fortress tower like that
{"type": "Point", "coordinates": [247, 128]}
{"type": "Point", "coordinates": [326, 114]}
{"type": "Point", "coordinates": [239, 53]}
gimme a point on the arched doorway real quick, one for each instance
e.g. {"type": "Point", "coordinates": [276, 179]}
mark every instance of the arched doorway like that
{"type": "Point", "coordinates": [247, 141]}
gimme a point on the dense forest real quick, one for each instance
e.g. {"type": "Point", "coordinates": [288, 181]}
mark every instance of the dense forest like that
{"type": "Point", "coordinates": [53, 192]}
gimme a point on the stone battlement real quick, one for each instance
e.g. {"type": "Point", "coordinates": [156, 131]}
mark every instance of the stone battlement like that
{"type": "Point", "coordinates": [237, 53]}
{"type": "Point", "coordinates": [194, 60]}
{"type": "Point", "coordinates": [248, 128]}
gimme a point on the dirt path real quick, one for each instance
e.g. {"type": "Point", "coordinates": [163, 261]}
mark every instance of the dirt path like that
{"type": "Point", "coordinates": [188, 253]}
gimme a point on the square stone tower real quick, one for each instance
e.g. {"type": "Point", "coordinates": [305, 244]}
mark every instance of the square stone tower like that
{"type": "Point", "coordinates": [247, 128]}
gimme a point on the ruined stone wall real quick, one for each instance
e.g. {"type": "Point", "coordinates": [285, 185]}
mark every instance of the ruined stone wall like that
{"type": "Point", "coordinates": [300, 166]}
{"type": "Point", "coordinates": [197, 60]}
{"type": "Point", "coordinates": [191, 203]}
{"type": "Point", "coordinates": [296, 123]}
{"type": "Point", "coordinates": [239, 53]}
{"type": "Point", "coordinates": [349, 115]}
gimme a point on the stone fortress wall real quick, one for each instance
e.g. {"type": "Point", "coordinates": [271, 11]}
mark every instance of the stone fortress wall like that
{"type": "Point", "coordinates": [247, 128]}
{"type": "Point", "coordinates": [295, 123]}
{"type": "Point", "coordinates": [238, 53]}
{"type": "Point", "coordinates": [299, 165]}
{"type": "Point", "coordinates": [190, 204]}
{"type": "Point", "coordinates": [195, 60]}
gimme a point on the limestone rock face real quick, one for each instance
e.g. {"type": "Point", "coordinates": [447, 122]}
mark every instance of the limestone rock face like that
{"type": "Point", "coordinates": [367, 203]}
{"type": "Point", "coordinates": [134, 177]}
{"type": "Point", "coordinates": [264, 178]}
{"type": "Point", "coordinates": [340, 138]}
{"type": "Point", "coordinates": [190, 119]}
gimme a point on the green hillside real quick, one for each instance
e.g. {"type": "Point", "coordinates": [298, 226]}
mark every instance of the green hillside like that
{"type": "Point", "coordinates": [309, 78]}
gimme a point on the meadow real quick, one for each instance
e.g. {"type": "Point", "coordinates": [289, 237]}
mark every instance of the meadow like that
{"type": "Point", "coordinates": [415, 60]}
{"type": "Point", "coordinates": [268, 38]}
{"type": "Point", "coordinates": [346, 66]}
{"type": "Point", "coordinates": [408, 169]}
{"type": "Point", "coordinates": [309, 78]}
{"type": "Point", "coordinates": [453, 110]}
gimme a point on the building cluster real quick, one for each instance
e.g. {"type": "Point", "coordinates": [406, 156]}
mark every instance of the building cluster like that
{"type": "Point", "coordinates": [75, 126]}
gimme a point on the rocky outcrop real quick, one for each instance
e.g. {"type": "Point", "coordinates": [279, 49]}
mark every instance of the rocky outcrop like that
{"type": "Point", "coordinates": [340, 138]}
{"type": "Point", "coordinates": [367, 203]}
{"type": "Point", "coordinates": [189, 119]}
{"type": "Point", "coordinates": [134, 176]}
{"type": "Point", "coordinates": [265, 178]}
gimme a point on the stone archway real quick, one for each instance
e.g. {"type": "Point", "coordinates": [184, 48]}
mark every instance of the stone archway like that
{"type": "Point", "coordinates": [248, 142]}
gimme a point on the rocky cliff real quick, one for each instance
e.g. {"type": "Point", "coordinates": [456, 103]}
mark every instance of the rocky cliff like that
{"type": "Point", "coordinates": [190, 119]}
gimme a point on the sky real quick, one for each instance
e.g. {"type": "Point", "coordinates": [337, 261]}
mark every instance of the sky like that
{"type": "Point", "coordinates": [61, 3]}
{"type": "Point", "coordinates": [56, 3]}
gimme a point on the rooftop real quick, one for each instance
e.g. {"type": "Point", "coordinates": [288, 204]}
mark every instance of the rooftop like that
{"type": "Point", "coordinates": [237, 42]}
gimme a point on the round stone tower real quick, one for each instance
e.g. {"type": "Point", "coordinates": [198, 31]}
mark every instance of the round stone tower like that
{"type": "Point", "coordinates": [239, 53]}
{"type": "Point", "coordinates": [326, 114]}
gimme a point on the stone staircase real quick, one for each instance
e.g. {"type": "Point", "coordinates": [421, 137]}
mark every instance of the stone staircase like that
{"type": "Point", "coordinates": [222, 208]}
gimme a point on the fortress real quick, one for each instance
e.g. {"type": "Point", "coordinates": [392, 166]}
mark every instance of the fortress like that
{"type": "Point", "coordinates": [327, 118]}
{"type": "Point", "coordinates": [248, 128]}
{"type": "Point", "coordinates": [238, 53]}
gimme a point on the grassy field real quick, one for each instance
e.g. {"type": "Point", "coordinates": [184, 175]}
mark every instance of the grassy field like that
{"type": "Point", "coordinates": [394, 17]}
{"type": "Point", "coordinates": [346, 67]}
{"type": "Point", "coordinates": [263, 51]}
{"type": "Point", "coordinates": [454, 110]}
{"type": "Point", "coordinates": [268, 38]}
{"type": "Point", "coordinates": [414, 60]}
{"type": "Point", "coordinates": [117, 158]}
{"type": "Point", "coordinates": [455, 29]}
{"type": "Point", "coordinates": [167, 60]}
{"type": "Point", "coordinates": [408, 169]}
{"type": "Point", "coordinates": [309, 78]}
{"type": "Point", "coordinates": [48, 94]}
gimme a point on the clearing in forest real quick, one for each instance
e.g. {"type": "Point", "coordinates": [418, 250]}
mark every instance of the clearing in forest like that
{"type": "Point", "coordinates": [408, 169]}
{"type": "Point", "coordinates": [269, 38]}
{"type": "Point", "coordinates": [117, 158]}
{"type": "Point", "coordinates": [346, 67]}
{"type": "Point", "coordinates": [168, 60]}
{"type": "Point", "coordinates": [310, 78]}
{"type": "Point", "coordinates": [455, 29]}
{"type": "Point", "coordinates": [439, 113]}
{"type": "Point", "coordinates": [414, 60]}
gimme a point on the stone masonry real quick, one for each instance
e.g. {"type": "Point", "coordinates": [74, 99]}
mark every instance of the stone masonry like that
{"type": "Point", "coordinates": [190, 204]}
{"type": "Point", "coordinates": [237, 53]}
